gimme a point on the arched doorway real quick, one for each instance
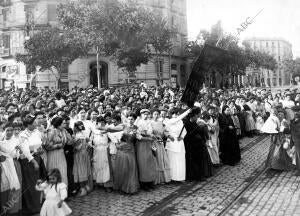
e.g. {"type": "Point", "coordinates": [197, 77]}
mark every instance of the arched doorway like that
{"type": "Point", "coordinates": [103, 74]}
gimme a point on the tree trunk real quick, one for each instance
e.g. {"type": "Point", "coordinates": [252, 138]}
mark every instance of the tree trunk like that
{"type": "Point", "coordinates": [157, 69]}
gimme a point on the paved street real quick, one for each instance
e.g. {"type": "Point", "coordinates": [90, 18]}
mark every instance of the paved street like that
{"type": "Point", "coordinates": [246, 189]}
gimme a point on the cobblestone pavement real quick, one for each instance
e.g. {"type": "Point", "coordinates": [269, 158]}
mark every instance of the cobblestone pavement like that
{"type": "Point", "coordinates": [272, 194]}
{"type": "Point", "coordinates": [210, 197]}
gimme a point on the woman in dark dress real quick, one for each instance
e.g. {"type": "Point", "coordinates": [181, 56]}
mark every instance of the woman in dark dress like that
{"type": "Point", "coordinates": [198, 162]}
{"type": "Point", "coordinates": [229, 144]}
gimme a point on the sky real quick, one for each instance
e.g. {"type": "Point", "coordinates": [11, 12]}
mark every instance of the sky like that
{"type": "Point", "coordinates": [277, 18]}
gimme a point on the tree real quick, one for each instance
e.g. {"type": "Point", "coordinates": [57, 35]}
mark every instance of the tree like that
{"type": "Point", "coordinates": [51, 50]}
{"type": "Point", "coordinates": [292, 66]}
{"type": "Point", "coordinates": [120, 30]}
{"type": "Point", "coordinates": [237, 60]}
{"type": "Point", "coordinates": [159, 36]}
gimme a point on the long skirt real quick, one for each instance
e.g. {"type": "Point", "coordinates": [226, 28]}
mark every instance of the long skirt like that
{"type": "Point", "coordinates": [17, 195]}
{"type": "Point", "coordinates": [11, 200]}
{"type": "Point", "coordinates": [101, 168]}
{"type": "Point", "coordinates": [278, 158]}
{"type": "Point", "coordinates": [250, 123]}
{"type": "Point", "coordinates": [82, 166]}
{"type": "Point", "coordinates": [50, 208]}
{"type": "Point", "coordinates": [145, 161]}
{"type": "Point", "coordinates": [162, 164]}
{"type": "Point", "coordinates": [31, 198]}
{"type": "Point", "coordinates": [56, 159]}
{"type": "Point", "coordinates": [126, 176]}
{"type": "Point", "coordinates": [198, 162]}
{"type": "Point", "coordinates": [177, 165]}
{"type": "Point", "coordinates": [213, 151]}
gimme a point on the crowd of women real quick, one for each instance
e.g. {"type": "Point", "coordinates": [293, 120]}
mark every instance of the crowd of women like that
{"type": "Point", "coordinates": [122, 139]}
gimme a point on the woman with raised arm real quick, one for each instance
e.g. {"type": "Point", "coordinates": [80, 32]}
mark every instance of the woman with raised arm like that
{"type": "Point", "coordinates": [175, 145]}
{"type": "Point", "coordinates": [198, 162]}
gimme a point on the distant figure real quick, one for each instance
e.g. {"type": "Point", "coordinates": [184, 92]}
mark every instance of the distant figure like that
{"type": "Point", "coordinates": [295, 136]}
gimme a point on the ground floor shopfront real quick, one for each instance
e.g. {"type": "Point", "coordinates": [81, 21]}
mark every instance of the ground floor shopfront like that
{"type": "Point", "coordinates": [83, 73]}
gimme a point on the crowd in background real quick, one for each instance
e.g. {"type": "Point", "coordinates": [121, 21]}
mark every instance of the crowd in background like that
{"type": "Point", "coordinates": [126, 139]}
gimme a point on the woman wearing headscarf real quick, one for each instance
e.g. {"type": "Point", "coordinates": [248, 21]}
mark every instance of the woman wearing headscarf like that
{"type": "Point", "coordinates": [229, 144]}
{"type": "Point", "coordinates": [145, 151]}
{"type": "Point", "coordinates": [198, 162]}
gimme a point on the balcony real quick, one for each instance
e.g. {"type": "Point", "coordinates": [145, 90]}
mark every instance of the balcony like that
{"type": "Point", "coordinates": [4, 52]}
{"type": "Point", "coordinates": [5, 3]}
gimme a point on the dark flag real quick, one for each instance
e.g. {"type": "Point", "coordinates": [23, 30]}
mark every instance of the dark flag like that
{"type": "Point", "coordinates": [209, 56]}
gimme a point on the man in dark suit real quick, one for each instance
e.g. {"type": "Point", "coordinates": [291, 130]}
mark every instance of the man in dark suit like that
{"type": "Point", "coordinates": [295, 136]}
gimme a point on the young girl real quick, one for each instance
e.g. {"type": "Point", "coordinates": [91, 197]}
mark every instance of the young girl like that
{"type": "Point", "coordinates": [55, 192]}
{"type": "Point", "coordinates": [82, 162]}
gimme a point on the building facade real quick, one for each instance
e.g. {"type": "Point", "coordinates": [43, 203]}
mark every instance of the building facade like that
{"type": "Point", "coordinates": [20, 18]}
{"type": "Point", "coordinates": [281, 50]}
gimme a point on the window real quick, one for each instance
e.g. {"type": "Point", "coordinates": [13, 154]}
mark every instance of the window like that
{"type": "Point", "coordinates": [278, 45]}
{"type": "Point", "coordinates": [267, 44]}
{"type": "Point", "coordinates": [5, 14]}
{"type": "Point", "coordinates": [3, 69]}
{"type": "Point", "coordinates": [274, 82]}
{"type": "Point", "coordinates": [280, 81]}
{"type": "Point", "coordinates": [272, 44]}
{"type": "Point", "coordinates": [52, 16]}
{"type": "Point", "coordinates": [278, 58]}
{"type": "Point", "coordinates": [161, 66]}
{"type": "Point", "coordinates": [29, 13]}
{"type": "Point", "coordinates": [174, 67]}
{"type": "Point", "coordinates": [5, 41]}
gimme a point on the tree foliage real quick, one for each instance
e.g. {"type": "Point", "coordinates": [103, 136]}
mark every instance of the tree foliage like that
{"type": "Point", "coordinates": [238, 58]}
{"type": "Point", "coordinates": [50, 48]}
{"type": "Point", "coordinates": [119, 29]}
{"type": "Point", "coordinates": [292, 66]}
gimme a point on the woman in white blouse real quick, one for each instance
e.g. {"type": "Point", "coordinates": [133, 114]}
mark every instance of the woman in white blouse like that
{"type": "Point", "coordinates": [32, 166]}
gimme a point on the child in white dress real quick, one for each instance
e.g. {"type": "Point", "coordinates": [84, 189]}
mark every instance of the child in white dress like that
{"type": "Point", "coordinates": [55, 192]}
